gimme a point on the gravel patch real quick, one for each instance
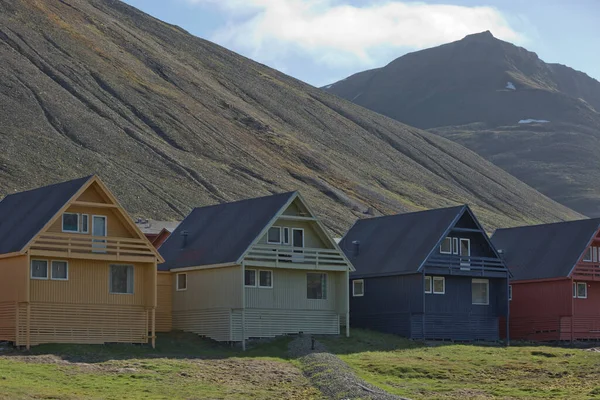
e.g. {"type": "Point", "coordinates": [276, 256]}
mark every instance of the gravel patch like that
{"type": "Point", "coordinates": [333, 377]}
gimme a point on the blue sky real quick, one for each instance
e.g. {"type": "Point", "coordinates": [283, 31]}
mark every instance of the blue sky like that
{"type": "Point", "coordinates": [322, 41]}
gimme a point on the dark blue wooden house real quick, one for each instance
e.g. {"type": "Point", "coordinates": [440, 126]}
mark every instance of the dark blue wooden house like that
{"type": "Point", "coordinates": [426, 275]}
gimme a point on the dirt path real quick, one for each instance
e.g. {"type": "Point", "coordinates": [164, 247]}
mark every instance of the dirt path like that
{"type": "Point", "coordinates": [333, 377]}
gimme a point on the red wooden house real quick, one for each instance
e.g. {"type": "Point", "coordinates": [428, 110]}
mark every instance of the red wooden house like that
{"type": "Point", "coordinates": [555, 291]}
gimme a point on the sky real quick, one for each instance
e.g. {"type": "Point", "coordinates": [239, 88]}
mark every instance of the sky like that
{"type": "Point", "coordinates": [323, 41]}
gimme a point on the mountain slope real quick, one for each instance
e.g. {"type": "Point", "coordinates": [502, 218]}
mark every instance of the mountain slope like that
{"type": "Point", "coordinates": [171, 121]}
{"type": "Point", "coordinates": [476, 91]}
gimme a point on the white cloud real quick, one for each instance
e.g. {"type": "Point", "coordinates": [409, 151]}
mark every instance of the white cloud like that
{"type": "Point", "coordinates": [340, 34]}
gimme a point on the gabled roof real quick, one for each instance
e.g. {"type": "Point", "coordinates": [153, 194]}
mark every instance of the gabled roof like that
{"type": "Point", "coordinates": [398, 244]}
{"type": "Point", "coordinates": [222, 233]}
{"type": "Point", "coordinates": [545, 251]}
{"type": "Point", "coordinates": [23, 215]}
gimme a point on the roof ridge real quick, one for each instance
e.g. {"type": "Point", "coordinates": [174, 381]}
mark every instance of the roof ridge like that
{"type": "Point", "coordinates": [412, 213]}
{"type": "Point", "coordinates": [549, 224]}
{"type": "Point", "coordinates": [244, 200]}
{"type": "Point", "coordinates": [83, 178]}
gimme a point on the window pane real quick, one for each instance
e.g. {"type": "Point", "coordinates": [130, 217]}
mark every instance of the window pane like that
{"type": "Point", "coordinates": [59, 270]}
{"type": "Point", "coordinates": [39, 269]}
{"type": "Point", "coordinates": [265, 278]}
{"type": "Point", "coordinates": [121, 279]}
{"type": "Point", "coordinates": [274, 235]}
{"type": "Point", "coordinates": [358, 288]}
{"type": "Point", "coordinates": [574, 289]}
{"type": "Point", "coordinates": [438, 285]}
{"type": "Point", "coordinates": [182, 281]}
{"type": "Point", "coordinates": [250, 277]}
{"type": "Point", "coordinates": [509, 292]}
{"type": "Point", "coordinates": [446, 246]}
{"type": "Point", "coordinates": [84, 223]}
{"type": "Point", "coordinates": [581, 290]}
{"type": "Point", "coordinates": [316, 286]}
{"type": "Point", "coordinates": [427, 284]}
{"type": "Point", "coordinates": [286, 235]}
{"type": "Point", "coordinates": [479, 288]}
{"type": "Point", "coordinates": [70, 222]}
{"type": "Point", "coordinates": [588, 254]}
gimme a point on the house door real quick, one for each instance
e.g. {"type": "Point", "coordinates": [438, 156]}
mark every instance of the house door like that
{"type": "Point", "coordinates": [99, 230]}
{"type": "Point", "coordinates": [465, 251]}
{"type": "Point", "coordinates": [298, 243]}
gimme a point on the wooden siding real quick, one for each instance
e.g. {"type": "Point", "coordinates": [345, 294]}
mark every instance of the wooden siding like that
{"type": "Point", "coordinates": [261, 323]}
{"type": "Point", "coordinates": [289, 292]}
{"type": "Point", "coordinates": [94, 194]}
{"type": "Point", "coordinates": [13, 290]}
{"type": "Point", "coordinates": [164, 302]}
{"type": "Point", "coordinates": [84, 323]}
{"type": "Point", "coordinates": [214, 323]}
{"type": "Point", "coordinates": [461, 327]}
{"type": "Point", "coordinates": [391, 322]}
{"type": "Point", "coordinates": [205, 307]}
{"type": "Point", "coordinates": [88, 283]}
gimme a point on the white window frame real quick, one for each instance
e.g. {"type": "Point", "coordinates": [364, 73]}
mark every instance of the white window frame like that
{"type": "Point", "coordinates": [509, 292]}
{"type": "Point", "coordinates": [487, 282]}
{"type": "Point", "coordinates": [289, 238]}
{"type": "Point", "coordinates": [62, 221]}
{"type": "Point", "coordinates": [255, 277]}
{"type": "Point", "coordinates": [37, 277]}
{"type": "Point", "coordinates": [455, 244]}
{"type": "Point", "coordinates": [52, 271]}
{"type": "Point", "coordinates": [354, 282]}
{"type": "Point", "coordinates": [587, 257]}
{"type": "Point", "coordinates": [438, 278]}
{"type": "Point", "coordinates": [577, 285]}
{"type": "Point", "coordinates": [574, 288]}
{"type": "Point", "coordinates": [280, 230]}
{"type": "Point", "coordinates": [177, 288]}
{"type": "Point", "coordinates": [110, 279]}
{"type": "Point", "coordinates": [303, 236]}
{"type": "Point", "coordinates": [87, 216]}
{"type": "Point", "coordinates": [447, 238]}
{"type": "Point", "coordinates": [428, 288]}
{"type": "Point", "coordinates": [258, 279]}
{"type": "Point", "coordinates": [326, 285]}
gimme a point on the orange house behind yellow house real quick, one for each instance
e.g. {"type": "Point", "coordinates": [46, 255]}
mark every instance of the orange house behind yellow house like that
{"type": "Point", "coordinates": [74, 268]}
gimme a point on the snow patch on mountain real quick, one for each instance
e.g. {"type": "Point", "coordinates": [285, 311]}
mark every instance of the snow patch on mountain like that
{"type": "Point", "coordinates": [510, 85]}
{"type": "Point", "coordinates": [533, 121]}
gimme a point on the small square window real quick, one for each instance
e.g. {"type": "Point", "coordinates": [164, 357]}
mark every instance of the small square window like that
{"type": "Point", "coordinates": [446, 246]}
{"type": "Point", "coordinates": [316, 286]}
{"type": "Point", "coordinates": [358, 288]}
{"type": "Point", "coordinates": [581, 290]}
{"type": "Point", "coordinates": [121, 279]}
{"type": "Point", "coordinates": [250, 278]}
{"type": "Point", "coordinates": [70, 222]}
{"type": "Point", "coordinates": [60, 270]}
{"type": "Point", "coordinates": [480, 292]}
{"type": "Point", "coordinates": [265, 279]}
{"type": "Point", "coordinates": [274, 235]}
{"type": "Point", "coordinates": [39, 269]}
{"type": "Point", "coordinates": [439, 285]}
{"type": "Point", "coordinates": [181, 282]}
{"type": "Point", "coordinates": [427, 284]}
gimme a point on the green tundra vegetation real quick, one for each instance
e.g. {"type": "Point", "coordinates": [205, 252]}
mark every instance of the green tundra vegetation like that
{"type": "Point", "coordinates": [461, 371]}
{"type": "Point", "coordinates": [186, 367]}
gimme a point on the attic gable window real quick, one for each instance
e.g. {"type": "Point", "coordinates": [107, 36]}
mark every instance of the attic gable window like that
{"type": "Point", "coordinates": [76, 223]}
{"type": "Point", "coordinates": [274, 235]}
{"type": "Point", "coordinates": [446, 246]}
{"type": "Point", "coordinates": [591, 254]}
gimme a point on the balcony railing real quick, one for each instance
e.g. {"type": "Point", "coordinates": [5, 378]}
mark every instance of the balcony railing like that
{"type": "Point", "coordinates": [465, 263]}
{"type": "Point", "coordinates": [587, 271]}
{"type": "Point", "coordinates": [288, 257]}
{"type": "Point", "coordinates": [94, 247]}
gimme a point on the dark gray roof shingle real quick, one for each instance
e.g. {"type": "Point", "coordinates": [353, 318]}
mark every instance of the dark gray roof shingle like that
{"type": "Point", "coordinates": [397, 244]}
{"type": "Point", "coordinates": [24, 214]}
{"type": "Point", "coordinates": [221, 233]}
{"type": "Point", "coordinates": [544, 251]}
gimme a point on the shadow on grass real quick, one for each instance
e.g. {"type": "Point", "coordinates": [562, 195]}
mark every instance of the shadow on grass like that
{"type": "Point", "coordinates": [174, 345]}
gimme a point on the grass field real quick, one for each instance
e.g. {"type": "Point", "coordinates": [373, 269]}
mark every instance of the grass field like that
{"type": "Point", "coordinates": [186, 367]}
{"type": "Point", "coordinates": [182, 367]}
{"type": "Point", "coordinates": [455, 371]}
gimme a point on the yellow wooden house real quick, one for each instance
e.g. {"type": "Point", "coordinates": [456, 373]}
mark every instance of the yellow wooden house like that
{"type": "Point", "coordinates": [74, 268]}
